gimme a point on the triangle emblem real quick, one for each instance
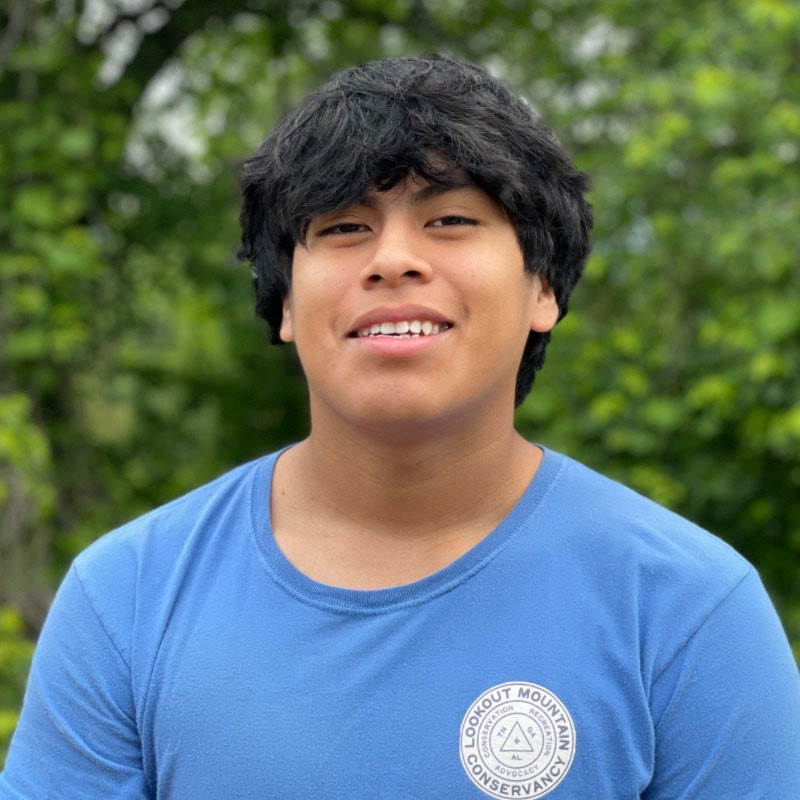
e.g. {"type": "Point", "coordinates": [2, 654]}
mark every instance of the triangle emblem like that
{"type": "Point", "coordinates": [516, 741]}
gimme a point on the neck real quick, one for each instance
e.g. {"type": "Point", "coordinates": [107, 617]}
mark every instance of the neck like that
{"type": "Point", "coordinates": [410, 486]}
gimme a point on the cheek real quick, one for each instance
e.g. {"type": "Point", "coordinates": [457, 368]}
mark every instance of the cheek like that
{"type": "Point", "coordinates": [496, 290]}
{"type": "Point", "coordinates": [501, 318]}
{"type": "Point", "coordinates": [316, 299]}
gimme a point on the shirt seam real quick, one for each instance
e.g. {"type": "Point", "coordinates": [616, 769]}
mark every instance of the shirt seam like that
{"type": "Point", "coordinates": [100, 619]}
{"type": "Point", "coordinates": [750, 570]}
{"type": "Point", "coordinates": [134, 721]}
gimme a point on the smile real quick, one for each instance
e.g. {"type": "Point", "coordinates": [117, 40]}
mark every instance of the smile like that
{"type": "Point", "coordinates": [400, 345]}
{"type": "Point", "coordinates": [404, 329]}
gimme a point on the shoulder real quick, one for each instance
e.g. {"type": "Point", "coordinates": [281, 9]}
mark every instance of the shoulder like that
{"type": "Point", "coordinates": [632, 527]}
{"type": "Point", "coordinates": [164, 528]}
{"type": "Point", "coordinates": [135, 572]}
{"type": "Point", "coordinates": [668, 573]}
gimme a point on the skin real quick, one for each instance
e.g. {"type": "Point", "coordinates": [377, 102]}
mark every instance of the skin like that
{"type": "Point", "coordinates": [410, 461]}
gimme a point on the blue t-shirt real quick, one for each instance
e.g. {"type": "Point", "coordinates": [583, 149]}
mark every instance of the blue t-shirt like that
{"type": "Point", "coordinates": [594, 645]}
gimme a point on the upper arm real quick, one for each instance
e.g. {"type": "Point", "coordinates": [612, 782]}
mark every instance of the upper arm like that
{"type": "Point", "coordinates": [77, 734]}
{"type": "Point", "coordinates": [727, 707]}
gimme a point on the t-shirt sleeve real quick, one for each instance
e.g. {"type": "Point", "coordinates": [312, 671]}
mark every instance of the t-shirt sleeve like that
{"type": "Point", "coordinates": [726, 709]}
{"type": "Point", "coordinates": [77, 735]}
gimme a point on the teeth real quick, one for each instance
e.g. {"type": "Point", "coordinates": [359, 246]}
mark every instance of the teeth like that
{"type": "Point", "coordinates": [404, 329]}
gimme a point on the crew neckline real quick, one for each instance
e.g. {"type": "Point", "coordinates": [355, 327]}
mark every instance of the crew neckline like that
{"type": "Point", "coordinates": [378, 601]}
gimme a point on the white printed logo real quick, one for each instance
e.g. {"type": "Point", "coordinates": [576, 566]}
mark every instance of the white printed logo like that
{"type": "Point", "coordinates": [517, 740]}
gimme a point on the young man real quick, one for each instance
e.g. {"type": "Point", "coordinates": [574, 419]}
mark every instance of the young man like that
{"type": "Point", "coordinates": [413, 602]}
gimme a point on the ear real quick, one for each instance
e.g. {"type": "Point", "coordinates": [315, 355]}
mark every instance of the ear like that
{"type": "Point", "coordinates": [286, 332]}
{"type": "Point", "coordinates": [543, 307]}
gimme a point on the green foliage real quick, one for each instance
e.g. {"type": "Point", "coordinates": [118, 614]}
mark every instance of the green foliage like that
{"type": "Point", "coordinates": [132, 369]}
{"type": "Point", "coordinates": [15, 660]}
{"type": "Point", "coordinates": [678, 371]}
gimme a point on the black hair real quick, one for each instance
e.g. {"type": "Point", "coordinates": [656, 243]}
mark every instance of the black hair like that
{"type": "Point", "coordinates": [371, 126]}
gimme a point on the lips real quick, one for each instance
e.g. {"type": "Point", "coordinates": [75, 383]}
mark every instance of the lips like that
{"type": "Point", "coordinates": [397, 314]}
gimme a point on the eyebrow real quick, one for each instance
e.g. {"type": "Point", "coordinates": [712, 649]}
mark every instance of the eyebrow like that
{"type": "Point", "coordinates": [450, 184]}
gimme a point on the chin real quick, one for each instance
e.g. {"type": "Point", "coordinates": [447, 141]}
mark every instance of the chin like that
{"type": "Point", "coordinates": [394, 412]}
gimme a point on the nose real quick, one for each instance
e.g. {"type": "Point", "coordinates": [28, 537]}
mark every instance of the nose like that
{"type": "Point", "coordinates": [398, 256]}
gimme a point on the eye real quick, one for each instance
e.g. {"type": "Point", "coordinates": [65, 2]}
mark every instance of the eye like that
{"type": "Point", "coordinates": [342, 228]}
{"type": "Point", "coordinates": [452, 219]}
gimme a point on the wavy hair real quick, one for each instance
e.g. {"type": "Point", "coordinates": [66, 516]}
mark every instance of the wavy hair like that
{"type": "Point", "coordinates": [371, 126]}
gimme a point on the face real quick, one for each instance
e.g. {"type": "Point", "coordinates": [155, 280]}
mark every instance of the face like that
{"type": "Point", "coordinates": [413, 260]}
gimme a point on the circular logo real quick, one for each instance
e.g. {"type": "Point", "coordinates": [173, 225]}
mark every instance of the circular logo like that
{"type": "Point", "coordinates": [517, 740]}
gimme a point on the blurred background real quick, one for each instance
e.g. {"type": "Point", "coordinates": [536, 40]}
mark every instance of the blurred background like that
{"type": "Point", "coordinates": [132, 368]}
